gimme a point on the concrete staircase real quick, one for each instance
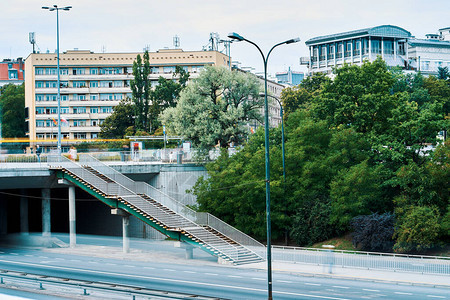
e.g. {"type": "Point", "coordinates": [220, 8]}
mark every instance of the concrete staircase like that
{"type": "Point", "coordinates": [159, 210]}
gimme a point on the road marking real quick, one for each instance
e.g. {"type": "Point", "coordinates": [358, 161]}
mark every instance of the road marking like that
{"type": "Point", "coordinates": [284, 281]}
{"type": "Point", "coordinates": [110, 264]}
{"type": "Point", "coordinates": [75, 260]}
{"type": "Point", "coordinates": [212, 274]}
{"type": "Point", "coordinates": [234, 276]}
{"type": "Point", "coordinates": [130, 266]}
{"type": "Point", "coordinates": [231, 287]}
{"type": "Point", "coordinates": [170, 270]}
{"type": "Point", "coordinates": [189, 272]}
{"type": "Point", "coordinates": [318, 284]}
{"type": "Point", "coordinates": [2, 252]}
{"type": "Point", "coordinates": [340, 287]}
{"type": "Point", "coordinates": [149, 268]}
{"type": "Point", "coordinates": [258, 278]}
{"type": "Point", "coordinates": [42, 256]}
{"type": "Point", "coordinates": [28, 255]}
{"type": "Point", "coordinates": [13, 253]}
{"type": "Point", "coordinates": [433, 296]}
{"type": "Point", "coordinates": [401, 293]}
{"type": "Point", "coordinates": [59, 258]}
{"type": "Point", "coordinates": [367, 290]}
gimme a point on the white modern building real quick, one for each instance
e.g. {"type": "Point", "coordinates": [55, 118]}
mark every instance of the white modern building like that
{"type": "Point", "coordinates": [393, 44]}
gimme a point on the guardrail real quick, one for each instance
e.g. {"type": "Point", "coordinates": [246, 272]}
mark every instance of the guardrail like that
{"type": "Point", "coordinates": [366, 260]}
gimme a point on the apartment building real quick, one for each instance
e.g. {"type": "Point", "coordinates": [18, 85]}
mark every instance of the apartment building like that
{"type": "Point", "coordinates": [92, 84]}
{"type": "Point", "coordinates": [11, 71]}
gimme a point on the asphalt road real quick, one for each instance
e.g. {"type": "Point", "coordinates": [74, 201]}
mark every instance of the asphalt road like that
{"type": "Point", "coordinates": [205, 279]}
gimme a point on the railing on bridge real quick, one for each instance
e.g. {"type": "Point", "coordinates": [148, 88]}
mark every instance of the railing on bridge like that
{"type": "Point", "coordinates": [366, 260]}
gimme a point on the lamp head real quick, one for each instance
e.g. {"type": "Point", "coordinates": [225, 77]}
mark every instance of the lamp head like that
{"type": "Point", "coordinates": [67, 7]}
{"type": "Point", "coordinates": [235, 36]}
{"type": "Point", "coordinates": [291, 41]}
{"type": "Point", "coordinates": [45, 7]}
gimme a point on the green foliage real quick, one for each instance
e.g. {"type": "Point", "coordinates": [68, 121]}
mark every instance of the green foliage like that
{"type": "Point", "coordinates": [140, 89]}
{"type": "Point", "coordinates": [443, 73]}
{"type": "Point", "coordinates": [373, 232]}
{"type": "Point", "coordinates": [354, 147]}
{"type": "Point", "coordinates": [118, 124]}
{"type": "Point", "coordinates": [417, 229]}
{"type": "Point", "coordinates": [214, 108]}
{"type": "Point", "coordinates": [12, 103]}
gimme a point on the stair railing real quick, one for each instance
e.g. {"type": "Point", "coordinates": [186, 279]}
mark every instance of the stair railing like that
{"type": "Point", "coordinates": [199, 218]}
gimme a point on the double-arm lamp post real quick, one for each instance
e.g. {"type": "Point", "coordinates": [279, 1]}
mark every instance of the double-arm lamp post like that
{"type": "Point", "coordinates": [57, 9]}
{"type": "Point", "coordinates": [238, 37]}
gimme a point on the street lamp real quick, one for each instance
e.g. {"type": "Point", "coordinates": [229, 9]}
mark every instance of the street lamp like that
{"type": "Point", "coordinates": [55, 7]}
{"type": "Point", "coordinates": [238, 37]}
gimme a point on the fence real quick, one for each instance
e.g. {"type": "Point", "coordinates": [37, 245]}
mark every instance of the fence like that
{"type": "Point", "coordinates": [364, 260]}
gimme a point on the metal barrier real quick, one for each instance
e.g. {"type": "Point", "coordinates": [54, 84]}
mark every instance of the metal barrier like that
{"type": "Point", "coordinates": [366, 260]}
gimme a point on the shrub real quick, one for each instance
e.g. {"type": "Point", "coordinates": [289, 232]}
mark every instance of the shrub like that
{"type": "Point", "coordinates": [373, 232]}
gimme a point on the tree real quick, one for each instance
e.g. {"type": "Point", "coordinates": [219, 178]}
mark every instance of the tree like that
{"type": "Point", "coordinates": [215, 107]}
{"type": "Point", "coordinates": [140, 89]}
{"type": "Point", "coordinates": [116, 125]}
{"type": "Point", "coordinates": [166, 94]}
{"type": "Point", "coordinates": [443, 73]}
{"type": "Point", "coordinates": [12, 103]}
{"type": "Point", "coordinates": [373, 232]}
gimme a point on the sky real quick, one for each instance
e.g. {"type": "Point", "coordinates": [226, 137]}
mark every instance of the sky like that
{"type": "Point", "coordinates": [130, 26]}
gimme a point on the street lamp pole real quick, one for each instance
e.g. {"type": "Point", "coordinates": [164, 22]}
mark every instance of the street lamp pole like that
{"type": "Point", "coordinates": [57, 9]}
{"type": "Point", "coordinates": [238, 37]}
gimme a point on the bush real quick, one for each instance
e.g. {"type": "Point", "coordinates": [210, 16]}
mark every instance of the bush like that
{"type": "Point", "coordinates": [373, 232]}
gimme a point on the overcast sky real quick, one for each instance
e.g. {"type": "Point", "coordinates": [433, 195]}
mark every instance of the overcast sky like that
{"type": "Point", "coordinates": [128, 26]}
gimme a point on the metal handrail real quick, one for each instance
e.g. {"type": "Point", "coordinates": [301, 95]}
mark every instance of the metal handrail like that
{"type": "Point", "coordinates": [176, 206]}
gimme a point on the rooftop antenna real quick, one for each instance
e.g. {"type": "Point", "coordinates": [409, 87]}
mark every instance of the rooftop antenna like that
{"type": "Point", "coordinates": [176, 42]}
{"type": "Point", "coordinates": [146, 48]}
{"type": "Point", "coordinates": [32, 39]}
{"type": "Point", "coordinates": [103, 48]}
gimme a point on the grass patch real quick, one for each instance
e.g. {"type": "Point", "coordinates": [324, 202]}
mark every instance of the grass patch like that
{"type": "Point", "coordinates": [341, 243]}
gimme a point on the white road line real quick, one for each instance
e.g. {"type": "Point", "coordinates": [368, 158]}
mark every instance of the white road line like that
{"type": "Point", "coordinates": [110, 264]}
{"type": "Point", "coordinates": [75, 260]}
{"type": "Point", "coordinates": [231, 287]}
{"type": "Point", "coordinates": [14, 253]}
{"type": "Point", "coordinates": [191, 272]}
{"type": "Point", "coordinates": [59, 258]}
{"type": "Point", "coordinates": [28, 255]}
{"type": "Point", "coordinates": [211, 274]}
{"type": "Point", "coordinates": [284, 281]}
{"type": "Point", "coordinates": [318, 284]}
{"type": "Point", "coordinates": [434, 296]}
{"type": "Point", "coordinates": [234, 276]}
{"type": "Point", "coordinates": [149, 268]}
{"type": "Point", "coordinates": [340, 287]}
{"type": "Point", "coordinates": [170, 270]}
{"type": "Point", "coordinates": [367, 290]}
{"type": "Point", "coordinates": [254, 278]}
{"type": "Point", "coordinates": [130, 266]}
{"type": "Point", "coordinates": [401, 293]}
{"type": "Point", "coordinates": [42, 256]}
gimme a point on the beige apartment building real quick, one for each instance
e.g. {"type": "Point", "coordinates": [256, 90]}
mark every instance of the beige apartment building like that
{"type": "Point", "coordinates": [91, 85]}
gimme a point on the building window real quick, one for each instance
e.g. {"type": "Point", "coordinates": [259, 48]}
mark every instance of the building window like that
{"type": "Point", "coordinates": [79, 110]}
{"type": "Point", "coordinates": [118, 70]}
{"type": "Point", "coordinates": [93, 71]}
{"type": "Point", "coordinates": [348, 49]}
{"type": "Point", "coordinates": [79, 84]}
{"type": "Point", "coordinates": [39, 71]}
{"type": "Point", "coordinates": [331, 52]}
{"type": "Point", "coordinates": [40, 110]}
{"type": "Point", "coordinates": [376, 46]}
{"type": "Point", "coordinates": [154, 70]}
{"type": "Point", "coordinates": [64, 97]}
{"type": "Point", "coordinates": [40, 123]}
{"type": "Point", "coordinates": [106, 84]}
{"type": "Point", "coordinates": [64, 110]}
{"type": "Point", "coordinates": [168, 70]}
{"type": "Point", "coordinates": [106, 71]}
{"type": "Point", "coordinates": [94, 96]}
{"type": "Point", "coordinates": [339, 51]}
{"type": "Point", "coordinates": [106, 110]}
{"type": "Point", "coordinates": [51, 84]}
{"type": "Point", "coordinates": [79, 123]}
{"type": "Point", "coordinates": [401, 49]}
{"type": "Point", "coordinates": [64, 84]}
{"type": "Point", "coordinates": [39, 97]}
{"type": "Point", "coordinates": [118, 96]}
{"type": "Point", "coordinates": [78, 71]}
{"type": "Point", "coordinates": [63, 71]}
{"type": "Point", "coordinates": [94, 135]}
{"type": "Point", "coordinates": [197, 69]}
{"type": "Point", "coordinates": [323, 50]}
{"type": "Point", "coordinates": [50, 71]}
{"type": "Point", "coordinates": [388, 47]}
{"type": "Point", "coordinates": [356, 48]}
{"type": "Point", "coordinates": [51, 97]}
{"type": "Point", "coordinates": [94, 122]}
{"type": "Point", "coordinates": [39, 84]}
{"type": "Point", "coordinates": [94, 110]}
{"type": "Point", "coordinates": [12, 74]}
{"type": "Point", "coordinates": [93, 84]}
{"type": "Point", "coordinates": [118, 83]}
{"type": "Point", "coordinates": [79, 135]}
{"type": "Point", "coordinates": [104, 97]}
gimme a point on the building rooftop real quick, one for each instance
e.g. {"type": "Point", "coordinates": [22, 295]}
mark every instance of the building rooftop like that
{"type": "Point", "coordinates": [429, 42]}
{"type": "Point", "coordinates": [383, 30]}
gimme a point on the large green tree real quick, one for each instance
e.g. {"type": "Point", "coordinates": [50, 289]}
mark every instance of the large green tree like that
{"type": "Point", "coordinates": [140, 89]}
{"type": "Point", "coordinates": [12, 104]}
{"type": "Point", "coordinates": [215, 107]}
{"type": "Point", "coordinates": [116, 125]}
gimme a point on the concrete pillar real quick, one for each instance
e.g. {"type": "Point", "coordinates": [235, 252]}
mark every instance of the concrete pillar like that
{"type": "Point", "coordinates": [24, 229]}
{"type": "Point", "coordinates": [3, 217]}
{"type": "Point", "coordinates": [72, 217]}
{"type": "Point", "coordinates": [46, 222]}
{"type": "Point", "coordinates": [125, 232]}
{"type": "Point", "coordinates": [189, 252]}
{"type": "Point", "coordinates": [382, 48]}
